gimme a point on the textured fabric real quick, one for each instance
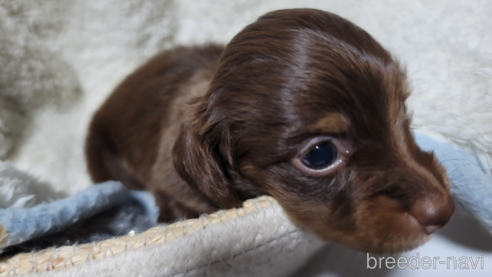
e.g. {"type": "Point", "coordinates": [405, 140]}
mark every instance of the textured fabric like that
{"type": "Point", "coordinates": [18, 189]}
{"type": "Point", "coordinates": [256, 240]}
{"type": "Point", "coordinates": [22, 224]}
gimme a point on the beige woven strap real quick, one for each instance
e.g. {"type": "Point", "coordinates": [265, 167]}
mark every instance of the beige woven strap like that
{"type": "Point", "coordinates": [3, 235]}
{"type": "Point", "coordinates": [66, 256]}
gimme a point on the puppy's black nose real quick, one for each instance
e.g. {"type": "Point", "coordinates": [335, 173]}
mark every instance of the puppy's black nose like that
{"type": "Point", "coordinates": [433, 214]}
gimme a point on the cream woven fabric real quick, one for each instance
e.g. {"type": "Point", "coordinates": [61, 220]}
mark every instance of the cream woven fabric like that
{"type": "Point", "coordinates": [237, 242]}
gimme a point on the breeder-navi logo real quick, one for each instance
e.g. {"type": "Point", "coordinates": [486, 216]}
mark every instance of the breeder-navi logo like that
{"type": "Point", "coordinates": [415, 262]}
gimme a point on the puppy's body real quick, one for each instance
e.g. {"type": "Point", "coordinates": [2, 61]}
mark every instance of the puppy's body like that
{"type": "Point", "coordinates": [133, 133]}
{"type": "Point", "coordinates": [301, 105]}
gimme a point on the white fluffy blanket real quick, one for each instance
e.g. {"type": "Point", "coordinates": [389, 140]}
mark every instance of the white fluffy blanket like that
{"type": "Point", "coordinates": [59, 59]}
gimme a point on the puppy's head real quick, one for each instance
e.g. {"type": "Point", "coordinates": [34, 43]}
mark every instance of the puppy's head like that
{"type": "Point", "coordinates": [309, 108]}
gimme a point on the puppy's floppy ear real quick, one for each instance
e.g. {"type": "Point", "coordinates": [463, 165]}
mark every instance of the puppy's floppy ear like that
{"type": "Point", "coordinates": [202, 157]}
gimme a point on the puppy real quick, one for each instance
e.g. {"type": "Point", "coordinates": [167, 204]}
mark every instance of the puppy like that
{"type": "Point", "coordinates": [301, 105]}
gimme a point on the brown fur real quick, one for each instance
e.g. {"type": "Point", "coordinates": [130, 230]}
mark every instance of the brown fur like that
{"type": "Point", "coordinates": [207, 127]}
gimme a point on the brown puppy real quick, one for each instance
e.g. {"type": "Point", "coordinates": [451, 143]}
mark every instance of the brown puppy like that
{"type": "Point", "coordinates": [301, 105]}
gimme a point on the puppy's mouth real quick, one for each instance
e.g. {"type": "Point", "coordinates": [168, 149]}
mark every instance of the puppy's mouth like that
{"type": "Point", "coordinates": [381, 226]}
{"type": "Point", "coordinates": [413, 228]}
{"type": "Point", "coordinates": [400, 231]}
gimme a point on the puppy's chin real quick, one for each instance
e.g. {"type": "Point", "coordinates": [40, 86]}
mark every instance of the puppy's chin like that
{"type": "Point", "coordinates": [377, 226]}
{"type": "Point", "coordinates": [380, 226]}
{"type": "Point", "coordinates": [380, 244]}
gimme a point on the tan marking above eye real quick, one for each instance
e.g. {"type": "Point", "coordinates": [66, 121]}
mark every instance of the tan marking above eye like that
{"type": "Point", "coordinates": [331, 122]}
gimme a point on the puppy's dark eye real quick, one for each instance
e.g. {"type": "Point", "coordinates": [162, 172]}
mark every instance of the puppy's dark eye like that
{"type": "Point", "coordinates": [321, 156]}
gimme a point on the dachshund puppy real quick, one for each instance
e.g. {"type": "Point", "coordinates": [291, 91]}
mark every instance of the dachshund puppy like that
{"type": "Point", "coordinates": [301, 105]}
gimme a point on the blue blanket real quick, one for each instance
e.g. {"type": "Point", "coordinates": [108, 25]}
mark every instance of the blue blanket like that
{"type": "Point", "coordinates": [99, 212]}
